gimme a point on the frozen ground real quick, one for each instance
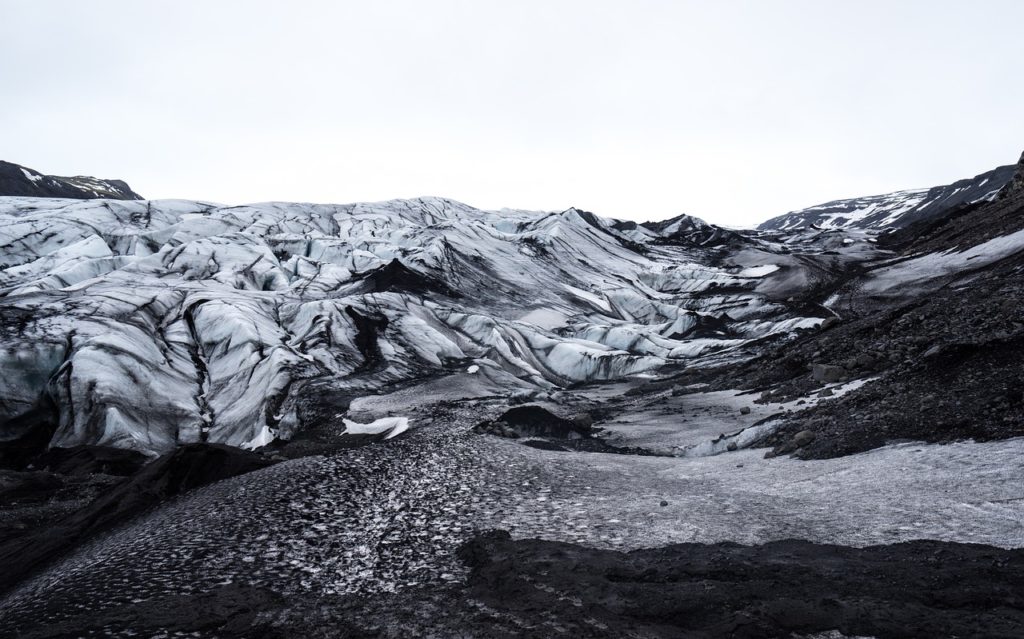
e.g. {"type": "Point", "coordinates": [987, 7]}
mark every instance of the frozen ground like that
{"type": "Point", "coordinates": [698, 423]}
{"type": "Point", "coordinates": [968, 492]}
{"type": "Point", "coordinates": [388, 517]}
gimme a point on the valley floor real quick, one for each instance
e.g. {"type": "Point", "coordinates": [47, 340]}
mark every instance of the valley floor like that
{"type": "Point", "coordinates": [364, 524]}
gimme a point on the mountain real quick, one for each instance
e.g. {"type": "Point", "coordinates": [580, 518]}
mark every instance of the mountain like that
{"type": "Point", "coordinates": [151, 324]}
{"type": "Point", "coordinates": [635, 412]}
{"type": "Point", "coordinates": [17, 180]}
{"type": "Point", "coordinates": [895, 210]}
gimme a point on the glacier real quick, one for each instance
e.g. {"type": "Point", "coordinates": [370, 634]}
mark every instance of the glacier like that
{"type": "Point", "coordinates": [150, 324]}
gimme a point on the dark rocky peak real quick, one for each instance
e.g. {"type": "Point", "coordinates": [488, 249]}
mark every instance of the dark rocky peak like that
{"type": "Point", "coordinates": [689, 230]}
{"type": "Point", "coordinates": [17, 180]}
{"type": "Point", "coordinates": [679, 223]}
{"type": "Point", "coordinates": [1016, 184]}
{"type": "Point", "coordinates": [895, 210]}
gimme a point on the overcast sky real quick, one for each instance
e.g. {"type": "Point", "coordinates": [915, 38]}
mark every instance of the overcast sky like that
{"type": "Point", "coordinates": [731, 111]}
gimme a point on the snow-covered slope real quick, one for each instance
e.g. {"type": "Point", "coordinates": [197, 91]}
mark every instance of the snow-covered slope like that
{"type": "Point", "coordinates": [21, 181]}
{"type": "Point", "coordinates": [148, 324]}
{"type": "Point", "coordinates": [894, 210]}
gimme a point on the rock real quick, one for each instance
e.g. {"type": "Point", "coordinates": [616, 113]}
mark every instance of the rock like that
{"type": "Point", "coordinates": [783, 449]}
{"type": "Point", "coordinates": [584, 420]}
{"type": "Point", "coordinates": [803, 438]}
{"type": "Point", "coordinates": [1016, 183]}
{"type": "Point", "coordinates": [745, 410]}
{"type": "Point", "coordinates": [731, 447]}
{"type": "Point", "coordinates": [535, 421]}
{"type": "Point", "coordinates": [826, 392]}
{"type": "Point", "coordinates": [664, 503]}
{"type": "Point", "coordinates": [827, 373]}
{"type": "Point", "coordinates": [865, 361]}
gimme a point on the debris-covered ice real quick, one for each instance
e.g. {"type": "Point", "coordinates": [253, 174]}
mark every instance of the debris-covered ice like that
{"type": "Point", "coordinates": [157, 323]}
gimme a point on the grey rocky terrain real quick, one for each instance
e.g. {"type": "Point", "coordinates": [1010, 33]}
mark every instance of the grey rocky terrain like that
{"type": "Point", "coordinates": [416, 418]}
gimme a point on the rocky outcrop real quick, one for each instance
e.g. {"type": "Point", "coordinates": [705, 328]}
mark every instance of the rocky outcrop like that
{"type": "Point", "coordinates": [538, 427]}
{"type": "Point", "coordinates": [24, 182]}
{"type": "Point", "coordinates": [895, 210]}
{"type": "Point", "coordinates": [536, 421]}
{"type": "Point", "coordinates": [687, 230]}
{"type": "Point", "coordinates": [1015, 187]}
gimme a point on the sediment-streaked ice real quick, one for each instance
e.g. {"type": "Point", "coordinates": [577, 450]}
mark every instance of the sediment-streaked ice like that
{"type": "Point", "coordinates": [156, 323]}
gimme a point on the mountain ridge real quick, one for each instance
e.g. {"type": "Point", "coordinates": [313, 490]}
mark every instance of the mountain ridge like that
{"type": "Point", "coordinates": [18, 180]}
{"type": "Point", "coordinates": [897, 208]}
{"type": "Point", "coordinates": [413, 372]}
{"type": "Point", "coordinates": [234, 311]}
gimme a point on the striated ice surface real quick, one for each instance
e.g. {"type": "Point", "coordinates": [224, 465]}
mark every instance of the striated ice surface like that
{"type": "Point", "coordinates": [155, 323]}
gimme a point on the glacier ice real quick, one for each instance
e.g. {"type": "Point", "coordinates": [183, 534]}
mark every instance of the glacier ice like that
{"type": "Point", "coordinates": [156, 323]}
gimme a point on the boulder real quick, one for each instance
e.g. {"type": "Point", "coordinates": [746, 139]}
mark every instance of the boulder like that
{"type": "Point", "coordinates": [803, 438]}
{"type": "Point", "coordinates": [827, 373]}
{"type": "Point", "coordinates": [535, 421]}
{"type": "Point", "coordinates": [864, 360]}
{"type": "Point", "coordinates": [584, 420]}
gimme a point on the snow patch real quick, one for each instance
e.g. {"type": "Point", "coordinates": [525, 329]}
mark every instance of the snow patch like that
{"type": "Point", "coordinates": [758, 271]}
{"type": "Point", "coordinates": [392, 426]}
{"type": "Point", "coordinates": [935, 265]}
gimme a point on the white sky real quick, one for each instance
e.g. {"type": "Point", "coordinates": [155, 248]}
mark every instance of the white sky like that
{"type": "Point", "coordinates": [732, 111]}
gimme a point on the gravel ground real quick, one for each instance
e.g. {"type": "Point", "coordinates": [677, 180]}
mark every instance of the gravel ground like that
{"type": "Point", "coordinates": [389, 517]}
